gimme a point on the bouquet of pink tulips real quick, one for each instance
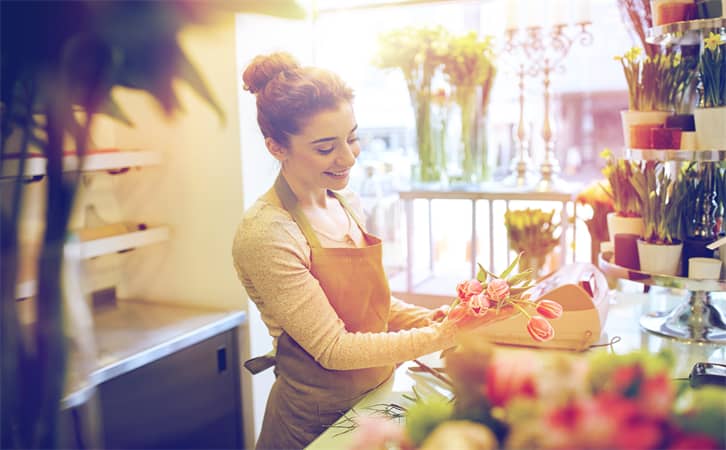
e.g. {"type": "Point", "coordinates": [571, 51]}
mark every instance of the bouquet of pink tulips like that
{"type": "Point", "coordinates": [489, 291]}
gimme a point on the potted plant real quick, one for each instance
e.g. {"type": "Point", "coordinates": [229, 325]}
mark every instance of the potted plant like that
{"type": "Point", "coordinates": [626, 216]}
{"type": "Point", "coordinates": [468, 66]}
{"type": "Point", "coordinates": [678, 78]}
{"type": "Point", "coordinates": [660, 194]}
{"type": "Point", "coordinates": [60, 62]}
{"type": "Point", "coordinates": [417, 52]}
{"type": "Point", "coordinates": [646, 94]}
{"type": "Point", "coordinates": [533, 234]}
{"type": "Point", "coordinates": [710, 115]}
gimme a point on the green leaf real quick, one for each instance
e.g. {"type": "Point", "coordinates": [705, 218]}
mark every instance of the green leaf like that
{"type": "Point", "coordinates": [483, 273]}
{"type": "Point", "coordinates": [511, 266]}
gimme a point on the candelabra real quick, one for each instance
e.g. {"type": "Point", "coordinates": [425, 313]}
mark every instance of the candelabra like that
{"type": "Point", "coordinates": [543, 51]}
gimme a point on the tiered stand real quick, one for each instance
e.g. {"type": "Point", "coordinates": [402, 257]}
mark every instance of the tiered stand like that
{"type": "Point", "coordinates": [698, 319]}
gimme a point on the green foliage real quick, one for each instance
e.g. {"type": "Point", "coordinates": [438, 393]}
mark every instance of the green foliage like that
{"type": "Point", "coordinates": [531, 231]}
{"type": "Point", "coordinates": [620, 173]}
{"type": "Point", "coordinates": [712, 72]}
{"type": "Point", "coordinates": [657, 83]}
{"type": "Point", "coordinates": [661, 197]}
{"type": "Point", "coordinates": [425, 415]}
{"type": "Point", "coordinates": [603, 365]}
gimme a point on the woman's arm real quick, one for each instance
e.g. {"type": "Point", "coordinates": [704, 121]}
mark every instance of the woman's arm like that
{"type": "Point", "coordinates": [405, 315]}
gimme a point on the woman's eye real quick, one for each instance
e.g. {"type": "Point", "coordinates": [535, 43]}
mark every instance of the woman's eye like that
{"type": "Point", "coordinates": [353, 139]}
{"type": "Point", "coordinates": [325, 151]}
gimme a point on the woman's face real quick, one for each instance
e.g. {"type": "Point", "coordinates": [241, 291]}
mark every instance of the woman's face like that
{"type": "Point", "coordinates": [321, 156]}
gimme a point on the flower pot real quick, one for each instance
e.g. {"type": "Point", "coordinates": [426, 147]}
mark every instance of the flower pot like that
{"type": "Point", "coordinates": [665, 138]}
{"type": "Point", "coordinates": [685, 122]}
{"type": "Point", "coordinates": [710, 129]}
{"type": "Point", "coordinates": [625, 250]}
{"type": "Point", "coordinates": [707, 9]}
{"type": "Point", "coordinates": [695, 247]}
{"type": "Point", "coordinates": [624, 225]}
{"type": "Point", "coordinates": [630, 118]}
{"type": "Point", "coordinates": [663, 259]}
{"type": "Point", "coordinates": [669, 11]}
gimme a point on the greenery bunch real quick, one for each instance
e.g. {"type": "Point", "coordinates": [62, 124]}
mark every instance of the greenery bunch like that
{"type": "Point", "coordinates": [712, 72]}
{"type": "Point", "coordinates": [657, 83]}
{"type": "Point", "coordinates": [619, 173]}
{"type": "Point", "coordinates": [418, 53]}
{"type": "Point", "coordinates": [676, 76]}
{"type": "Point", "coordinates": [661, 196]}
{"type": "Point", "coordinates": [533, 233]}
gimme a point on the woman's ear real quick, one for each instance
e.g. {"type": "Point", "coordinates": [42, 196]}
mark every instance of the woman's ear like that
{"type": "Point", "coordinates": [276, 150]}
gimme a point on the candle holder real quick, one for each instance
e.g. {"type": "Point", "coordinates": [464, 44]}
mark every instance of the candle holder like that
{"type": "Point", "coordinates": [544, 50]}
{"type": "Point", "coordinates": [521, 170]}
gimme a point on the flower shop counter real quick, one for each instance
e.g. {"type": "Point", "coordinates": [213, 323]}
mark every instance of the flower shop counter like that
{"type": "Point", "coordinates": [622, 334]}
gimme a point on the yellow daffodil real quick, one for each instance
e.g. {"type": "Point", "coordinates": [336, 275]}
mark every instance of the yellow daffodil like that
{"type": "Point", "coordinates": [713, 41]}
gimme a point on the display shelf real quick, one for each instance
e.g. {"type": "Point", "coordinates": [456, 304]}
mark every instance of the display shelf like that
{"type": "Point", "coordinates": [697, 320]}
{"type": "Point", "coordinates": [688, 32]}
{"type": "Point", "coordinates": [115, 244]}
{"type": "Point", "coordinates": [674, 155]}
{"type": "Point", "coordinates": [110, 160]}
{"type": "Point", "coordinates": [26, 289]}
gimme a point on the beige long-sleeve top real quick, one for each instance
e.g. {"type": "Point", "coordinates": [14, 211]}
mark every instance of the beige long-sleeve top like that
{"type": "Point", "coordinates": [272, 259]}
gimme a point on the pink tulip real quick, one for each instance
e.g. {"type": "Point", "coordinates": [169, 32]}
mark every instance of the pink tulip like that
{"type": "Point", "coordinates": [549, 309]}
{"type": "Point", "coordinates": [498, 290]}
{"type": "Point", "coordinates": [478, 304]}
{"type": "Point", "coordinates": [540, 329]}
{"type": "Point", "coordinates": [466, 289]}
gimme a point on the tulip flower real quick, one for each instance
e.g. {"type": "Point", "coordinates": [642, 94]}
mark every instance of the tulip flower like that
{"type": "Point", "coordinates": [540, 329]}
{"type": "Point", "coordinates": [549, 309]}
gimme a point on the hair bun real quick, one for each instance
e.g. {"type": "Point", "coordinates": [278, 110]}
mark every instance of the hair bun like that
{"type": "Point", "coordinates": [264, 68]}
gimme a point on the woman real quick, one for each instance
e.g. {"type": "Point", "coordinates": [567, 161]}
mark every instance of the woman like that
{"type": "Point", "coordinates": [310, 267]}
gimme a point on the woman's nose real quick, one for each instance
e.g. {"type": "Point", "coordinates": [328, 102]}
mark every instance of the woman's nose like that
{"type": "Point", "coordinates": [348, 154]}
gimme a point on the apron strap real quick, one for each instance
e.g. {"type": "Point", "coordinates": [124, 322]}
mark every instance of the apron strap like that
{"type": "Point", "coordinates": [349, 210]}
{"type": "Point", "coordinates": [289, 201]}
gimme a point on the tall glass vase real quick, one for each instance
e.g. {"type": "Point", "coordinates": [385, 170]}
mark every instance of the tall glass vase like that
{"type": "Point", "coordinates": [473, 138]}
{"type": "Point", "coordinates": [466, 99]}
{"type": "Point", "coordinates": [429, 168]}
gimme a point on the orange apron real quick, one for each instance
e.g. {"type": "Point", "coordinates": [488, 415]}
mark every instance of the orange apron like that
{"type": "Point", "coordinates": [307, 398]}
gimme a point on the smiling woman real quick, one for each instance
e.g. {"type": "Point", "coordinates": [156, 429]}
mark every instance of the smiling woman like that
{"type": "Point", "coordinates": [311, 268]}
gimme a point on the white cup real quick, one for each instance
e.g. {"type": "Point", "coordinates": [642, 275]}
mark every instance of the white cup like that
{"type": "Point", "coordinates": [704, 268]}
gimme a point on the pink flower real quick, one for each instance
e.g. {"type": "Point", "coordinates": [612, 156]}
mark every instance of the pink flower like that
{"type": "Point", "coordinates": [510, 376]}
{"type": "Point", "coordinates": [549, 309]}
{"type": "Point", "coordinates": [466, 289]}
{"type": "Point", "coordinates": [379, 433]}
{"type": "Point", "coordinates": [498, 290]}
{"type": "Point", "coordinates": [478, 304]}
{"type": "Point", "coordinates": [540, 329]}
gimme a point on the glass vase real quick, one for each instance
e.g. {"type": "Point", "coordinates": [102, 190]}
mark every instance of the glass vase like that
{"type": "Point", "coordinates": [429, 168]}
{"type": "Point", "coordinates": [473, 137]}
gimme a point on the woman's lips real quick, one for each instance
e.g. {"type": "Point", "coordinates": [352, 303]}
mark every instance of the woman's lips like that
{"type": "Point", "coordinates": [341, 174]}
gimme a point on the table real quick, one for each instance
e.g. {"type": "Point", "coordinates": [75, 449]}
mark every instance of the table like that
{"type": "Point", "coordinates": [489, 192]}
{"type": "Point", "coordinates": [627, 305]}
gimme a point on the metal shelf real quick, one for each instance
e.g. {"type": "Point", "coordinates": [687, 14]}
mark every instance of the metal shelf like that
{"type": "Point", "coordinates": [674, 155]}
{"type": "Point", "coordinates": [688, 32]}
{"type": "Point", "coordinates": [696, 320]}
{"type": "Point", "coordinates": [35, 166]}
